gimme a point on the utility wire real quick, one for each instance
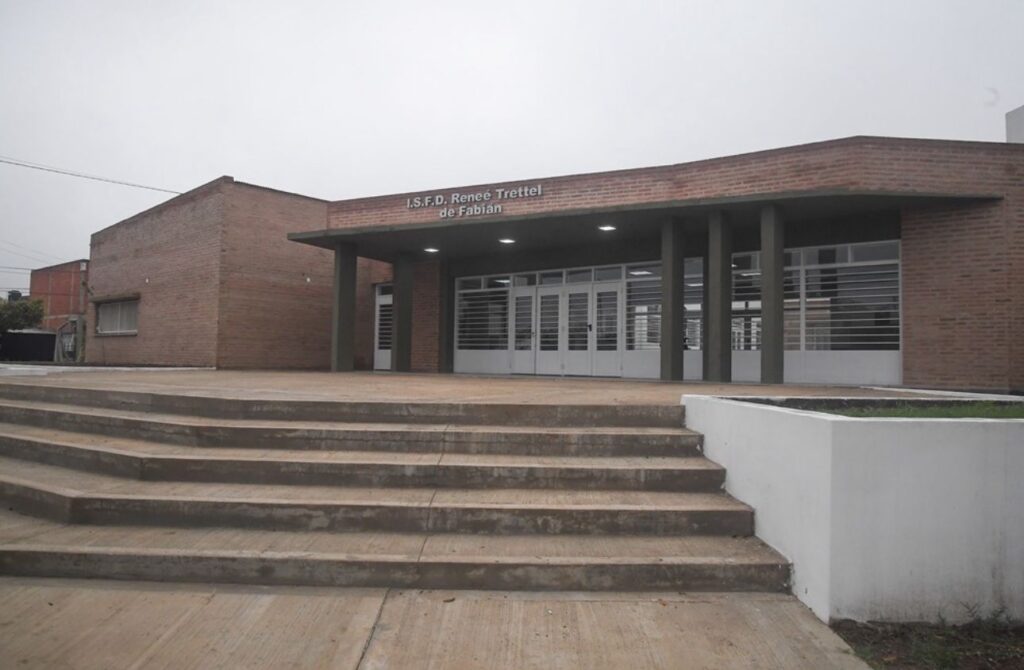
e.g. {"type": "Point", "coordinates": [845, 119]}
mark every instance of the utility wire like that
{"type": "Point", "coordinates": [70, 173]}
{"type": "Point", "coordinates": [23, 255]}
{"type": "Point", "coordinates": [32, 251]}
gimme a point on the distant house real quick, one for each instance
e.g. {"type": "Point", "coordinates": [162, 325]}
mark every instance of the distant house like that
{"type": "Point", "coordinates": [62, 290]}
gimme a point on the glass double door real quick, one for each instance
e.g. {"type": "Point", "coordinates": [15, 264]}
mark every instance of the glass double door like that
{"type": "Point", "coordinates": [567, 329]}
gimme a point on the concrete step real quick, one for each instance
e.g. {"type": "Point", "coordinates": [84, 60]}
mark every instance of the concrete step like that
{"type": "Point", "coordinates": [487, 414]}
{"type": "Point", "coordinates": [34, 547]}
{"type": "Point", "coordinates": [83, 497]}
{"type": "Point", "coordinates": [141, 459]}
{"type": "Point", "coordinates": [341, 435]}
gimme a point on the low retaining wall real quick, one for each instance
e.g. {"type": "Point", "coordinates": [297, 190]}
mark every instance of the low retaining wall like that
{"type": "Point", "coordinates": [883, 519]}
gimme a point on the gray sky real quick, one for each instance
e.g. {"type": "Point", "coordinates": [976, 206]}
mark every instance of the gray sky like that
{"type": "Point", "coordinates": [345, 99]}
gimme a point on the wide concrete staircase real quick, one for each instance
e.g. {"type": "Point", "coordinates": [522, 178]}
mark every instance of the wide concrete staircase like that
{"type": "Point", "coordinates": [429, 495]}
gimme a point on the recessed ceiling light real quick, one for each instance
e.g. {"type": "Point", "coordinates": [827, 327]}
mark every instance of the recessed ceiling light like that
{"type": "Point", "coordinates": [606, 228]}
{"type": "Point", "coordinates": [503, 281]}
{"type": "Point", "coordinates": [431, 250]}
{"type": "Point", "coordinates": [639, 273]}
{"type": "Point", "coordinates": [507, 240]}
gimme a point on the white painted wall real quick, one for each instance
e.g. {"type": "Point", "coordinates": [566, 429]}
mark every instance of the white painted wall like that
{"type": "Point", "coordinates": [883, 519]}
{"type": "Point", "coordinates": [863, 368]}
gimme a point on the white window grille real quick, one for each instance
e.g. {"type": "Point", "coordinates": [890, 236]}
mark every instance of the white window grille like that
{"type": "Point", "coordinates": [483, 317]}
{"type": "Point", "coordinates": [836, 298]}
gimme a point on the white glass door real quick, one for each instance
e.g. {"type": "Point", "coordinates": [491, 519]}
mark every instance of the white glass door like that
{"type": "Point", "coordinates": [579, 330]}
{"type": "Point", "coordinates": [549, 330]}
{"type": "Point", "coordinates": [524, 330]}
{"type": "Point", "coordinates": [607, 330]}
{"type": "Point", "coordinates": [383, 327]}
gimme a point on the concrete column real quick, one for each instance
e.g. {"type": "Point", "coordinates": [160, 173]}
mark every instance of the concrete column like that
{"type": "Point", "coordinates": [401, 343]}
{"type": "Point", "coordinates": [343, 317]}
{"type": "Point", "coordinates": [672, 319]}
{"type": "Point", "coordinates": [772, 267]}
{"type": "Point", "coordinates": [718, 290]}
{"type": "Point", "coordinates": [446, 329]}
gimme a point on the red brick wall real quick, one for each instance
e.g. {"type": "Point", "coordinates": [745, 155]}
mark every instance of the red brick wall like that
{"type": "Point", "coordinates": [956, 298]}
{"type": "Point", "coordinates": [426, 317]}
{"type": "Point", "coordinates": [857, 163]}
{"type": "Point", "coordinates": [963, 266]}
{"type": "Point", "coordinates": [61, 288]}
{"type": "Point", "coordinates": [169, 257]}
{"type": "Point", "coordinates": [275, 295]}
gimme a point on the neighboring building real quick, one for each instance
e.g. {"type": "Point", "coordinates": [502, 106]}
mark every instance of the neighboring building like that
{"type": "Point", "coordinates": [862, 260]}
{"type": "Point", "coordinates": [62, 290]}
{"type": "Point", "coordinates": [1015, 125]}
{"type": "Point", "coordinates": [209, 278]}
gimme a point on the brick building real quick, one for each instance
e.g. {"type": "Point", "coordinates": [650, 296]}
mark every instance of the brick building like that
{"type": "Point", "coordinates": [862, 260]}
{"type": "Point", "coordinates": [62, 290]}
{"type": "Point", "coordinates": [208, 278]}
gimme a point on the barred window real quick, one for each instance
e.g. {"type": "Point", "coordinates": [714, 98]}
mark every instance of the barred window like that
{"type": "Point", "coordinates": [117, 318]}
{"type": "Point", "coordinates": [840, 297]}
{"type": "Point", "coordinates": [483, 320]}
{"type": "Point", "coordinates": [385, 326]}
{"type": "Point", "coordinates": [643, 307]}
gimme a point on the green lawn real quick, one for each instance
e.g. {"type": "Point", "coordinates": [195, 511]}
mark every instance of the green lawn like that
{"type": "Point", "coordinates": [966, 410]}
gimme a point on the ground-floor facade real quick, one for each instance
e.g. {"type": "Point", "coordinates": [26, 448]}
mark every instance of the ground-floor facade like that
{"type": "Point", "coordinates": [900, 268]}
{"type": "Point", "coordinates": [856, 261]}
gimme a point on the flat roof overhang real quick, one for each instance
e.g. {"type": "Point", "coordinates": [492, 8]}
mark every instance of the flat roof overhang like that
{"type": "Point", "coordinates": [478, 236]}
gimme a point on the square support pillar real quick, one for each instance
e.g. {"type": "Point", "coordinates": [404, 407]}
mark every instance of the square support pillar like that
{"type": "Point", "coordinates": [718, 343]}
{"type": "Point", "coordinates": [772, 294]}
{"type": "Point", "coordinates": [401, 342]}
{"type": "Point", "coordinates": [343, 314]}
{"type": "Point", "coordinates": [446, 333]}
{"type": "Point", "coordinates": [673, 319]}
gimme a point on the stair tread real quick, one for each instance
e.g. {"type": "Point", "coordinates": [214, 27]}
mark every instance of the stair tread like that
{"type": "Point", "coordinates": [18, 532]}
{"type": "Point", "coordinates": [145, 448]}
{"type": "Point", "coordinates": [354, 427]}
{"type": "Point", "coordinates": [98, 485]}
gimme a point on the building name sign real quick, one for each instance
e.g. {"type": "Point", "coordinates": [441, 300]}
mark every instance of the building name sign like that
{"type": "Point", "coordinates": [457, 205]}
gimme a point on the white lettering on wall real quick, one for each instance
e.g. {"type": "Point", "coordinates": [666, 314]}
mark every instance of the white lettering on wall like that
{"type": "Point", "coordinates": [457, 205]}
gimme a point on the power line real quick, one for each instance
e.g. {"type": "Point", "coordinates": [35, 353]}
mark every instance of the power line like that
{"type": "Point", "coordinates": [23, 255]}
{"type": "Point", "coordinates": [70, 173]}
{"type": "Point", "coordinates": [33, 251]}
{"type": "Point", "coordinates": [12, 268]}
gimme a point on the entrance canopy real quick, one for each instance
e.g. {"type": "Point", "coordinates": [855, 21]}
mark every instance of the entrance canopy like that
{"type": "Point", "coordinates": [479, 236]}
{"type": "Point", "coordinates": [593, 329]}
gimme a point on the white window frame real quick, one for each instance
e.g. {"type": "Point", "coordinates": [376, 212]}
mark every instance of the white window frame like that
{"type": "Point", "coordinates": [120, 305]}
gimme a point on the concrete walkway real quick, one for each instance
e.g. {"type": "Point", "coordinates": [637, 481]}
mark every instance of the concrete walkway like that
{"type": "Point", "coordinates": [397, 387]}
{"type": "Point", "coordinates": [60, 623]}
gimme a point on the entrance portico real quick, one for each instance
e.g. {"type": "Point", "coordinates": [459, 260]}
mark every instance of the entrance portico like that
{"type": "Point", "coordinates": [784, 266]}
{"type": "Point", "coordinates": [651, 292]}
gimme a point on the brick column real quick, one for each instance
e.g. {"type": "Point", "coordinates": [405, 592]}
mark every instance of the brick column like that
{"type": "Point", "coordinates": [401, 342]}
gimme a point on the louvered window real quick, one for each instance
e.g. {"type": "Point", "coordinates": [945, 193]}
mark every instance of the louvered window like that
{"type": "Point", "coordinates": [483, 319]}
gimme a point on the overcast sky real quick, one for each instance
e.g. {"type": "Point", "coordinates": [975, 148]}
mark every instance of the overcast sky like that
{"type": "Point", "coordinates": [345, 99]}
